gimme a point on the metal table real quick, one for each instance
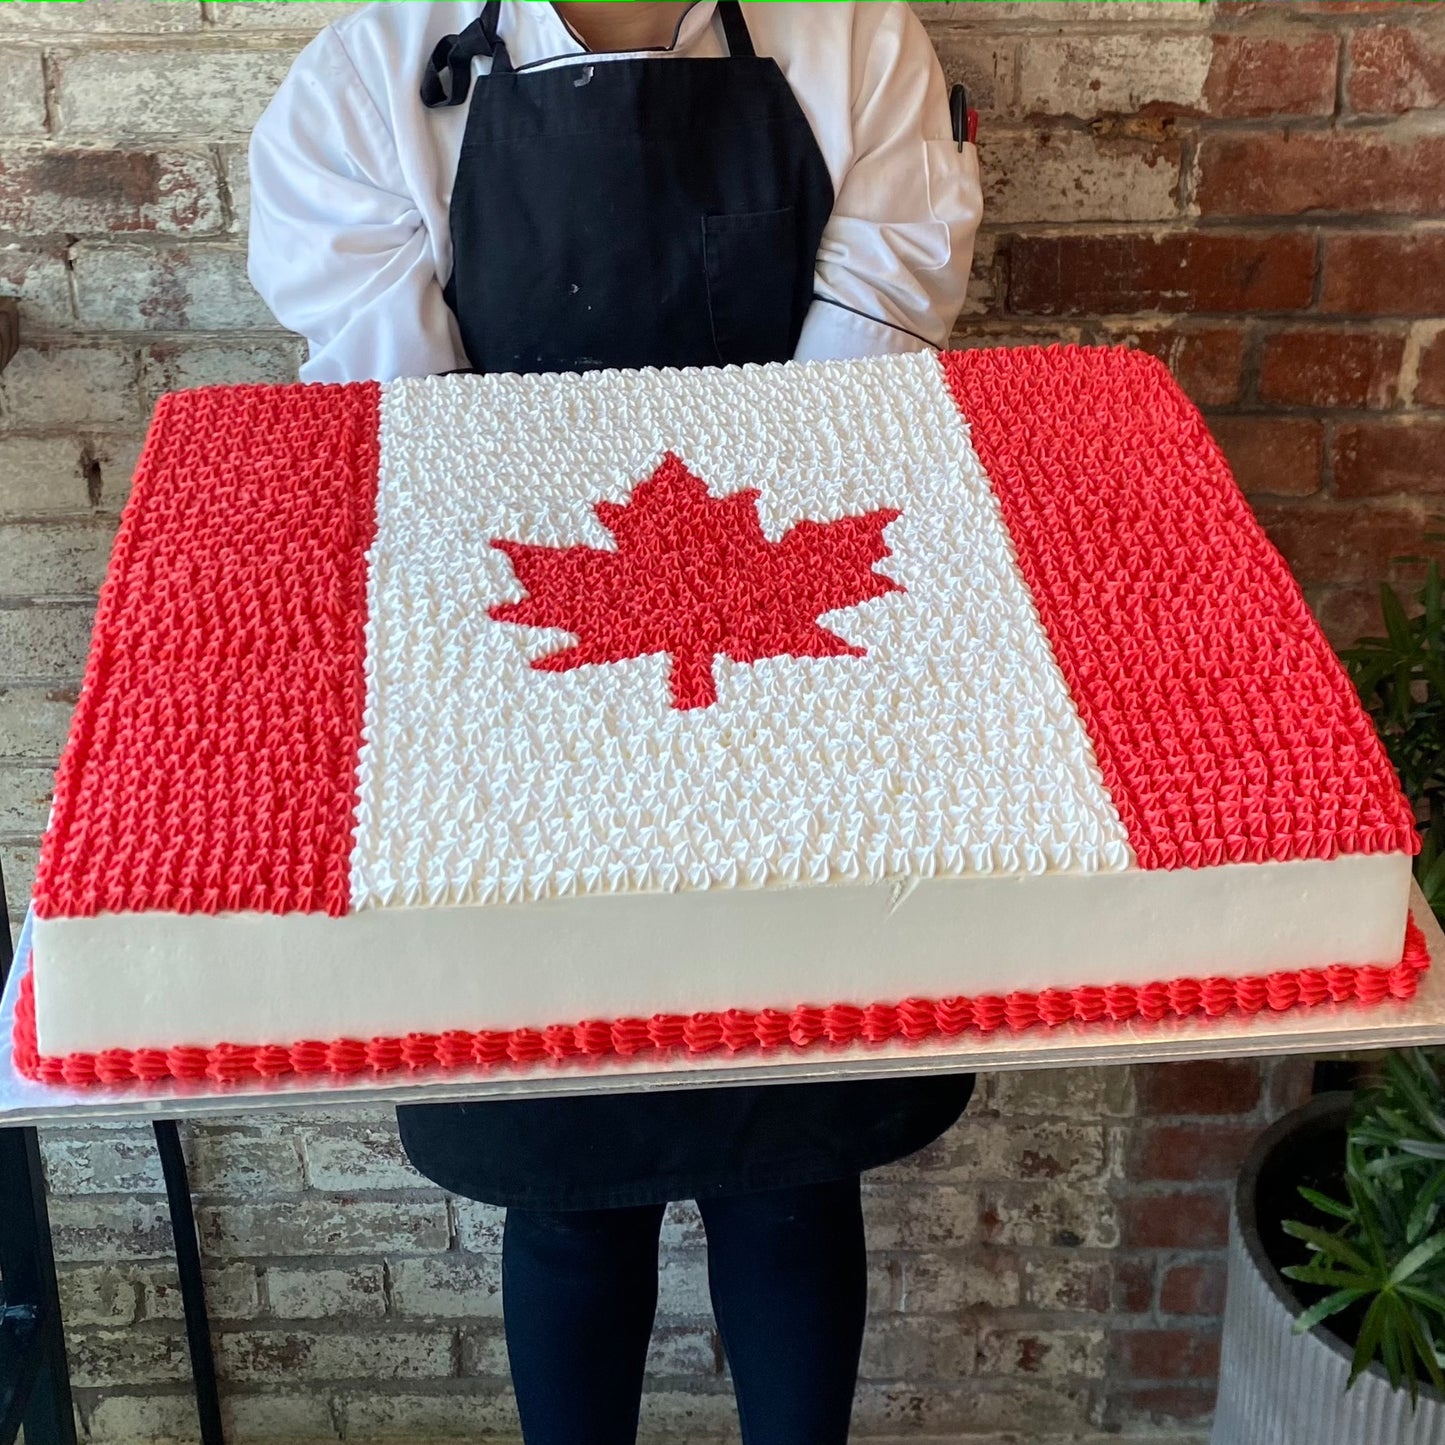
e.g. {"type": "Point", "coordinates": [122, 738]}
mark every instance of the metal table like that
{"type": "Point", "coordinates": [32, 1363]}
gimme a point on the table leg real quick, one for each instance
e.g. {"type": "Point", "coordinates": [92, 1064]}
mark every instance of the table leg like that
{"type": "Point", "coordinates": [34, 1378]}
{"type": "Point", "coordinates": [193, 1289]}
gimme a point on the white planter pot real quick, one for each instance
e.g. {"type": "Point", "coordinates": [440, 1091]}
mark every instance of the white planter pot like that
{"type": "Point", "coordinates": [1280, 1388]}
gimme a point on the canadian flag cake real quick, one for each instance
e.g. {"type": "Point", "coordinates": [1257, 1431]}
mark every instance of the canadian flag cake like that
{"type": "Point", "coordinates": [468, 720]}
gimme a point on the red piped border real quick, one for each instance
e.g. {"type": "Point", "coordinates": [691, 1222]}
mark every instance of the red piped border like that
{"type": "Point", "coordinates": [735, 1030]}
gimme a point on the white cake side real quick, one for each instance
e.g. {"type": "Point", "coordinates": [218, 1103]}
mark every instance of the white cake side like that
{"type": "Point", "coordinates": [158, 980]}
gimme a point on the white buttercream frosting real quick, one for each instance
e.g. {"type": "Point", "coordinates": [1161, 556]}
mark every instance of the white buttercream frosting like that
{"type": "Point", "coordinates": [951, 749]}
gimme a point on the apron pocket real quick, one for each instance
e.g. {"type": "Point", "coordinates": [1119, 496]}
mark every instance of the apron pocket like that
{"type": "Point", "coordinates": [751, 258]}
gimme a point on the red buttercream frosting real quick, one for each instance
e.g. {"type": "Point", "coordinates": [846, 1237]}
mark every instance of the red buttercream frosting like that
{"type": "Point", "coordinates": [1225, 728]}
{"type": "Point", "coordinates": [693, 576]}
{"type": "Point", "coordinates": [211, 764]}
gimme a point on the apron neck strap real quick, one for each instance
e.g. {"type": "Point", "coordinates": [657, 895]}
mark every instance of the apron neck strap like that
{"type": "Point", "coordinates": [740, 41]}
{"type": "Point", "coordinates": [448, 77]}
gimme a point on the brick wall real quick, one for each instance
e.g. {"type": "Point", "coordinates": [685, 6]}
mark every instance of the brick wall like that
{"type": "Point", "coordinates": [1256, 193]}
{"type": "Point", "coordinates": [1253, 191]}
{"type": "Point", "coordinates": [1052, 1265]}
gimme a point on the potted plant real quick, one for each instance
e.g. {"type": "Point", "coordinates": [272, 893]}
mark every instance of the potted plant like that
{"type": "Point", "coordinates": [1401, 679]}
{"type": "Point", "coordinates": [1334, 1330]}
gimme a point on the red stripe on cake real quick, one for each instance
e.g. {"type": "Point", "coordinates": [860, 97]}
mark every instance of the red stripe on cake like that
{"type": "Point", "coordinates": [1225, 728]}
{"type": "Point", "coordinates": [212, 758]}
{"type": "Point", "coordinates": [734, 1030]}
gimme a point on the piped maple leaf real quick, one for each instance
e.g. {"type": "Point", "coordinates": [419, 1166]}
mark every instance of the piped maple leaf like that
{"type": "Point", "coordinates": [693, 576]}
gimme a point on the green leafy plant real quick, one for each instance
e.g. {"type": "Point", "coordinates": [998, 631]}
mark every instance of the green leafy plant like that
{"type": "Point", "coordinates": [1381, 1264]}
{"type": "Point", "coordinates": [1401, 680]}
{"type": "Point", "coordinates": [1385, 1255]}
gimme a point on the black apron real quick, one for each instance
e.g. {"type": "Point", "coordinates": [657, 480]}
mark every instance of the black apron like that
{"type": "Point", "coordinates": [623, 214]}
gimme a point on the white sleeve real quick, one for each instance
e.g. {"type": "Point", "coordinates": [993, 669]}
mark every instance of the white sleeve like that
{"type": "Point", "coordinates": [338, 250]}
{"type": "Point", "coordinates": [899, 244]}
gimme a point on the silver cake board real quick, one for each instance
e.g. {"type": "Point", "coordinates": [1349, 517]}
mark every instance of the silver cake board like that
{"type": "Point", "coordinates": [1325, 1028]}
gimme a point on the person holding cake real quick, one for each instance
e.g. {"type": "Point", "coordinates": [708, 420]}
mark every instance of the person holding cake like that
{"type": "Point", "coordinates": [530, 188]}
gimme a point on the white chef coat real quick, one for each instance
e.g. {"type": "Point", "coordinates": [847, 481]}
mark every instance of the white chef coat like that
{"type": "Point", "coordinates": [351, 179]}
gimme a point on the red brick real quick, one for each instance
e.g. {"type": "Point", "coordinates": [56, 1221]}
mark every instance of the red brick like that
{"type": "Point", "coordinates": [106, 191]}
{"type": "Point", "coordinates": [1181, 1220]}
{"type": "Point", "coordinates": [972, 332]}
{"type": "Point", "coordinates": [1168, 1354]}
{"type": "Point", "coordinates": [1190, 1153]}
{"type": "Point", "coordinates": [1133, 1291]}
{"type": "Point", "coordinates": [1395, 68]}
{"type": "Point", "coordinates": [1401, 454]}
{"type": "Point", "coordinates": [1272, 75]}
{"type": "Point", "coordinates": [1345, 544]}
{"type": "Point", "coordinates": [1159, 1404]}
{"type": "Point", "coordinates": [1349, 613]}
{"type": "Point", "coordinates": [1208, 364]}
{"type": "Point", "coordinates": [1211, 1086]}
{"type": "Point", "coordinates": [1179, 271]}
{"type": "Point", "coordinates": [1356, 172]}
{"type": "Point", "coordinates": [1057, 1281]}
{"type": "Point", "coordinates": [1274, 455]}
{"type": "Point", "coordinates": [1274, 9]}
{"type": "Point", "coordinates": [1315, 367]}
{"type": "Point", "coordinates": [1289, 1080]}
{"type": "Point", "coordinates": [1192, 1289]}
{"type": "Point", "coordinates": [1430, 375]}
{"type": "Point", "coordinates": [1373, 273]}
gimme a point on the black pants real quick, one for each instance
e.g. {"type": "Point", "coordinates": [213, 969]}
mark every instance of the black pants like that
{"type": "Point", "coordinates": [788, 1277]}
